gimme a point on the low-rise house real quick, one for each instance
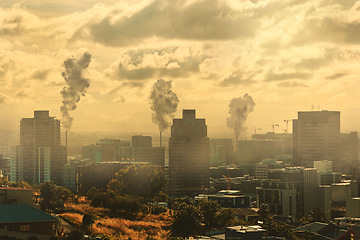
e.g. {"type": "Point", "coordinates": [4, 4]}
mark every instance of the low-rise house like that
{"type": "Point", "coordinates": [22, 221]}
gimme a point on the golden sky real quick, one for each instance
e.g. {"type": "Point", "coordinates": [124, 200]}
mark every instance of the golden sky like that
{"type": "Point", "coordinates": [287, 54]}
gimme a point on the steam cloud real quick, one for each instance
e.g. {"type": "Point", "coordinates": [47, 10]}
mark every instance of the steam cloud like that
{"type": "Point", "coordinates": [76, 86]}
{"type": "Point", "coordinates": [163, 101]}
{"type": "Point", "coordinates": [239, 110]}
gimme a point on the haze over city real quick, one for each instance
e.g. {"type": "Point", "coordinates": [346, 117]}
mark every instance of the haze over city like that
{"type": "Point", "coordinates": [288, 55]}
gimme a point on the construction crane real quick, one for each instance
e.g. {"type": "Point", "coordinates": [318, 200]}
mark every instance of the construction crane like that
{"type": "Point", "coordinates": [273, 127]}
{"type": "Point", "coordinates": [287, 124]}
{"type": "Point", "coordinates": [227, 182]}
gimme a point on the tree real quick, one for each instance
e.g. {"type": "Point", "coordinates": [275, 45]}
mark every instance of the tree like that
{"type": "Point", "coordinates": [187, 222]}
{"type": "Point", "coordinates": [48, 195]}
{"type": "Point", "coordinates": [209, 210]}
{"type": "Point", "coordinates": [142, 181]}
{"type": "Point", "coordinates": [88, 219]}
{"type": "Point", "coordinates": [263, 212]}
{"type": "Point", "coordinates": [224, 217]}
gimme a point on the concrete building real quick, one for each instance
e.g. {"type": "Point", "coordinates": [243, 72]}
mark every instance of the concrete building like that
{"type": "Point", "coordinates": [261, 171]}
{"type": "Point", "coordinates": [230, 199]}
{"type": "Point", "coordinates": [310, 188]}
{"type": "Point", "coordinates": [221, 152]}
{"type": "Point", "coordinates": [323, 199]}
{"type": "Point", "coordinates": [141, 150]}
{"type": "Point", "coordinates": [323, 166]}
{"type": "Point", "coordinates": [11, 195]}
{"type": "Point", "coordinates": [40, 156]}
{"type": "Point", "coordinates": [4, 166]}
{"type": "Point", "coordinates": [253, 151]}
{"type": "Point", "coordinates": [286, 139]}
{"type": "Point", "coordinates": [189, 156]}
{"type": "Point", "coordinates": [98, 175]}
{"type": "Point", "coordinates": [68, 173]}
{"type": "Point", "coordinates": [353, 207]}
{"type": "Point", "coordinates": [283, 198]}
{"type": "Point", "coordinates": [349, 152]}
{"type": "Point", "coordinates": [316, 136]}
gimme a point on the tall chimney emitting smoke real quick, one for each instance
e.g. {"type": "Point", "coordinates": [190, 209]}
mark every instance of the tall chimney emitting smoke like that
{"type": "Point", "coordinates": [163, 102]}
{"type": "Point", "coordinates": [239, 109]}
{"type": "Point", "coordinates": [76, 86]}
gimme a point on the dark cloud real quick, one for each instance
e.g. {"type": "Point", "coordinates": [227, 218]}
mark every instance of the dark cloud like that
{"type": "Point", "coordinates": [291, 84]}
{"type": "Point", "coordinates": [272, 77]}
{"type": "Point", "coordinates": [133, 84]}
{"type": "Point", "coordinates": [201, 20]}
{"type": "Point", "coordinates": [2, 99]}
{"type": "Point", "coordinates": [327, 30]}
{"type": "Point", "coordinates": [336, 76]}
{"type": "Point", "coordinates": [138, 66]}
{"type": "Point", "coordinates": [4, 68]}
{"type": "Point", "coordinates": [316, 63]}
{"type": "Point", "coordinates": [20, 94]}
{"type": "Point", "coordinates": [40, 74]}
{"type": "Point", "coordinates": [235, 79]}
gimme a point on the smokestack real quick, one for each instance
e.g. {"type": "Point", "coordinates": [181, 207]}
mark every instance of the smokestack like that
{"type": "Point", "coordinates": [160, 139]}
{"type": "Point", "coordinates": [239, 109]}
{"type": "Point", "coordinates": [163, 103]}
{"type": "Point", "coordinates": [66, 142]}
{"type": "Point", "coordinates": [76, 86]}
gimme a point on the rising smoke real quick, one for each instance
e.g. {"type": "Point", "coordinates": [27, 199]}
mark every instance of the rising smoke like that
{"type": "Point", "coordinates": [239, 110]}
{"type": "Point", "coordinates": [163, 102]}
{"type": "Point", "coordinates": [75, 88]}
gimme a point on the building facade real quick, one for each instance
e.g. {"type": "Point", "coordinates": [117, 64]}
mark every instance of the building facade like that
{"type": "Point", "coordinates": [40, 156]}
{"type": "Point", "coordinates": [189, 156]}
{"type": "Point", "coordinates": [316, 137]}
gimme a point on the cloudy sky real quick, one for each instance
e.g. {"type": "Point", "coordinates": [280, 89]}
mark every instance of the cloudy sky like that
{"type": "Point", "coordinates": [289, 55]}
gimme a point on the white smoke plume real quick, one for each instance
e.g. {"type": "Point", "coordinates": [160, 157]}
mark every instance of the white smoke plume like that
{"type": "Point", "coordinates": [239, 110]}
{"type": "Point", "coordinates": [75, 88]}
{"type": "Point", "coordinates": [163, 101]}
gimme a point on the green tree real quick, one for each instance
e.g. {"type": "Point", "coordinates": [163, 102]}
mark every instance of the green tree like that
{"type": "Point", "coordinates": [187, 222]}
{"type": "Point", "coordinates": [209, 211]}
{"type": "Point", "coordinates": [48, 195]}
{"type": "Point", "coordinates": [142, 181]}
{"type": "Point", "coordinates": [224, 217]}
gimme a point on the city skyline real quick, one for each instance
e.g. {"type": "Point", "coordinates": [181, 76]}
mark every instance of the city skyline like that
{"type": "Point", "coordinates": [289, 56]}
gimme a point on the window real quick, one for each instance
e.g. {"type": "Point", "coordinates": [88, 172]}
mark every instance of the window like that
{"type": "Point", "coordinates": [24, 228]}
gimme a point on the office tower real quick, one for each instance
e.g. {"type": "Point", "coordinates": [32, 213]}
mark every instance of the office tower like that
{"type": "Point", "coordinates": [39, 157]}
{"type": "Point", "coordinates": [189, 156]}
{"type": "Point", "coordinates": [349, 152]}
{"type": "Point", "coordinates": [316, 136]}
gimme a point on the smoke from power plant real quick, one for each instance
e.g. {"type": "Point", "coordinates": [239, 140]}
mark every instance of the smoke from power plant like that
{"type": "Point", "coordinates": [239, 110]}
{"type": "Point", "coordinates": [163, 102]}
{"type": "Point", "coordinates": [75, 88]}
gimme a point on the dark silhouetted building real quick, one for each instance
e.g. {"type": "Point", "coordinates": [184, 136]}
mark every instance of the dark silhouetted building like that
{"type": "Point", "coordinates": [39, 157]}
{"type": "Point", "coordinates": [189, 156]}
{"type": "Point", "coordinates": [316, 136]}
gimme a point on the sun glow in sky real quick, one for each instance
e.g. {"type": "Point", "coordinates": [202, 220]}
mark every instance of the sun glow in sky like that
{"type": "Point", "coordinates": [287, 54]}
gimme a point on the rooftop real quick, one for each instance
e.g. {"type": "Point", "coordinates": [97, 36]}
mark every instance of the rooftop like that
{"type": "Point", "coordinates": [18, 213]}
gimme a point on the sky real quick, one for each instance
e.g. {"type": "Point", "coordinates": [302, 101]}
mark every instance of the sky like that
{"type": "Point", "coordinates": [288, 55]}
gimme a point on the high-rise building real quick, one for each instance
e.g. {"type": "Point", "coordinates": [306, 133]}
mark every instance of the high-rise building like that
{"type": "Point", "coordinates": [40, 156]}
{"type": "Point", "coordinates": [189, 156]}
{"type": "Point", "coordinates": [221, 152]}
{"type": "Point", "coordinates": [316, 136]}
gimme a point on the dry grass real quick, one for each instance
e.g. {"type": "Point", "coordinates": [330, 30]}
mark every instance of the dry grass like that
{"type": "Point", "coordinates": [145, 225]}
{"type": "Point", "coordinates": [86, 208]}
{"type": "Point", "coordinates": [72, 218]}
{"type": "Point", "coordinates": [123, 228]}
